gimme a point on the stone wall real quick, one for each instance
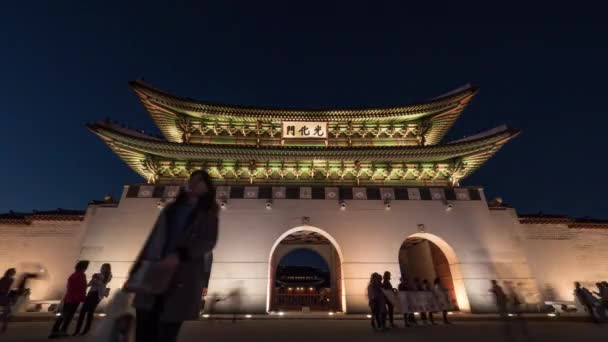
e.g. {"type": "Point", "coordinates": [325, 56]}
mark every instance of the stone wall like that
{"type": "Point", "coordinates": [52, 245]}
{"type": "Point", "coordinates": [479, 244]}
{"type": "Point", "coordinates": [560, 255]}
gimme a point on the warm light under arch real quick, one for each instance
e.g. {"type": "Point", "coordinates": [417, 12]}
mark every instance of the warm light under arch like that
{"type": "Point", "coordinates": [310, 229]}
{"type": "Point", "coordinates": [462, 298]}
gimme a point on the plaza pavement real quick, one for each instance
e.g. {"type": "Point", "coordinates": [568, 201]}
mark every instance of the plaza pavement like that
{"type": "Point", "coordinates": [354, 331]}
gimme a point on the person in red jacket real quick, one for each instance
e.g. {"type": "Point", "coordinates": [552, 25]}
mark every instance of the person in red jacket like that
{"type": "Point", "coordinates": [75, 294]}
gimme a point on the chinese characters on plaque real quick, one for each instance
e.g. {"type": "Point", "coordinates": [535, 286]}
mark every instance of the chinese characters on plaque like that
{"type": "Point", "coordinates": [304, 130]}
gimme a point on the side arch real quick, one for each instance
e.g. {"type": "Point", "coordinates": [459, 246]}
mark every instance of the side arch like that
{"type": "Point", "coordinates": [459, 287]}
{"type": "Point", "coordinates": [318, 231]}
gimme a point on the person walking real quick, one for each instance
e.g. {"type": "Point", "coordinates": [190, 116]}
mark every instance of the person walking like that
{"type": "Point", "coordinates": [184, 233]}
{"type": "Point", "coordinates": [390, 308]}
{"type": "Point", "coordinates": [377, 301]}
{"type": "Point", "coordinates": [6, 297]}
{"type": "Point", "coordinates": [500, 299]}
{"type": "Point", "coordinates": [97, 292]}
{"type": "Point", "coordinates": [442, 298]}
{"type": "Point", "coordinates": [75, 294]}
{"type": "Point", "coordinates": [586, 299]}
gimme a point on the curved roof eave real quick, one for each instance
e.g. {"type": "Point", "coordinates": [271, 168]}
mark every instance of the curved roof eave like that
{"type": "Point", "coordinates": [164, 109]}
{"type": "Point", "coordinates": [139, 145]}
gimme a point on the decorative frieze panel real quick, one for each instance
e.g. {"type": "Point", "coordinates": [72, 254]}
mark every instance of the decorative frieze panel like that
{"type": "Point", "coordinates": [225, 192]}
{"type": "Point", "coordinates": [327, 172]}
{"type": "Point", "coordinates": [197, 131]}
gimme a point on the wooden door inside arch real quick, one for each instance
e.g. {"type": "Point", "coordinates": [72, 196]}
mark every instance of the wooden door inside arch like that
{"type": "Point", "coordinates": [307, 286]}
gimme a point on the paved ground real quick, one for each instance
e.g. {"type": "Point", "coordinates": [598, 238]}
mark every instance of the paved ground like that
{"type": "Point", "coordinates": [352, 331]}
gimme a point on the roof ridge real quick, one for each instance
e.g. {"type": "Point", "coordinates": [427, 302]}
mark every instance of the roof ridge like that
{"type": "Point", "coordinates": [135, 84]}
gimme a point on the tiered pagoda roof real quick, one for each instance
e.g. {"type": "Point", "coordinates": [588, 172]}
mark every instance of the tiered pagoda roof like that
{"type": "Point", "coordinates": [396, 145]}
{"type": "Point", "coordinates": [181, 119]}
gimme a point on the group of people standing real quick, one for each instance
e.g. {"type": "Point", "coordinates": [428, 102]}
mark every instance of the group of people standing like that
{"type": "Point", "coordinates": [76, 294]}
{"type": "Point", "coordinates": [419, 297]}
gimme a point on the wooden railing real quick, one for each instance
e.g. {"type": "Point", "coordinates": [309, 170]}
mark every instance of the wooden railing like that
{"type": "Point", "coordinates": [314, 301]}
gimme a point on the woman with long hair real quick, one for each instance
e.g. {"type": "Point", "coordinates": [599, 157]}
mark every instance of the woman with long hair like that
{"type": "Point", "coordinates": [377, 301]}
{"type": "Point", "coordinates": [185, 231]}
{"type": "Point", "coordinates": [98, 290]}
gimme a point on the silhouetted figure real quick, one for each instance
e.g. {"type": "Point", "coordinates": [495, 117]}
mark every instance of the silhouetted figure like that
{"type": "Point", "coordinates": [6, 297]}
{"type": "Point", "coordinates": [377, 301]}
{"type": "Point", "coordinates": [390, 308]}
{"type": "Point", "coordinates": [97, 292]}
{"type": "Point", "coordinates": [431, 304]}
{"type": "Point", "coordinates": [186, 230]}
{"type": "Point", "coordinates": [500, 299]}
{"type": "Point", "coordinates": [602, 293]}
{"type": "Point", "coordinates": [442, 299]}
{"type": "Point", "coordinates": [418, 287]}
{"type": "Point", "coordinates": [408, 317]}
{"type": "Point", "coordinates": [586, 299]}
{"type": "Point", "coordinates": [234, 298]}
{"type": "Point", "coordinates": [75, 294]}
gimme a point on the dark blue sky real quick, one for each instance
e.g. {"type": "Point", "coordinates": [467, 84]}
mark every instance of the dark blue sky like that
{"type": "Point", "coordinates": [304, 257]}
{"type": "Point", "coordinates": [63, 65]}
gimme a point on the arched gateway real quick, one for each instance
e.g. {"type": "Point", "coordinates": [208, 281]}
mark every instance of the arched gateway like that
{"type": "Point", "coordinates": [427, 256]}
{"type": "Point", "coordinates": [366, 176]}
{"type": "Point", "coordinates": [303, 293]}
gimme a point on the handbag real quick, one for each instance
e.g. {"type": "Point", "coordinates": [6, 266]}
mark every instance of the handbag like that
{"type": "Point", "coordinates": [149, 278]}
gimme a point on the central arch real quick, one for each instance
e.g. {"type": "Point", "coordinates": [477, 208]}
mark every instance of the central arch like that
{"type": "Point", "coordinates": [332, 241]}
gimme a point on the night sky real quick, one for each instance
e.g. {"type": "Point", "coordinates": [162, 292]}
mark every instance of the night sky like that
{"type": "Point", "coordinates": [304, 257]}
{"type": "Point", "coordinates": [63, 65]}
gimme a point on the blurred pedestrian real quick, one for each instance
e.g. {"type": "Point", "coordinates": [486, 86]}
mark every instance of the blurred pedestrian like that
{"type": "Point", "coordinates": [406, 304]}
{"type": "Point", "coordinates": [442, 298]}
{"type": "Point", "coordinates": [75, 294]}
{"type": "Point", "coordinates": [388, 287]}
{"type": "Point", "coordinates": [500, 299]}
{"type": "Point", "coordinates": [6, 297]}
{"type": "Point", "coordinates": [184, 233]}
{"type": "Point", "coordinates": [98, 290]}
{"type": "Point", "coordinates": [377, 301]}
{"type": "Point", "coordinates": [587, 301]}
{"type": "Point", "coordinates": [421, 301]}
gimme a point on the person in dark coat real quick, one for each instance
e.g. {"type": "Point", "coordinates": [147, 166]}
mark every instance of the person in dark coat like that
{"type": "Point", "coordinates": [75, 294]}
{"type": "Point", "coordinates": [98, 290]}
{"type": "Point", "coordinates": [6, 298]}
{"type": "Point", "coordinates": [186, 230]}
{"type": "Point", "coordinates": [390, 308]}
